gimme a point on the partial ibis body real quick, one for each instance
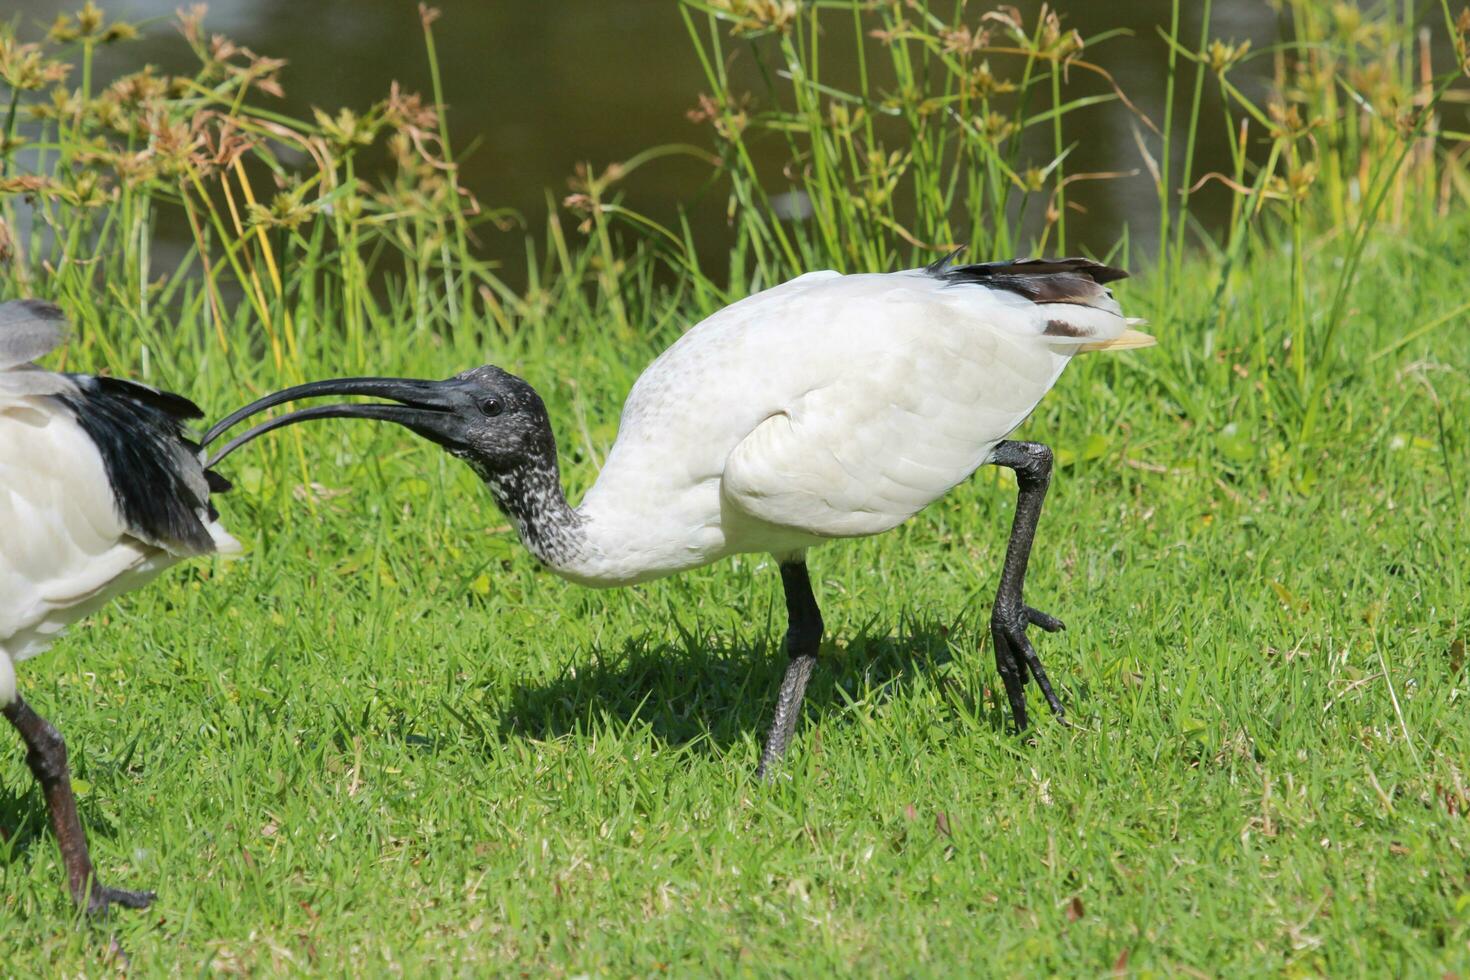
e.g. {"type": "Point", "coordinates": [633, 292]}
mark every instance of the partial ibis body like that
{"type": "Point", "coordinates": [100, 490]}
{"type": "Point", "coordinates": [831, 406]}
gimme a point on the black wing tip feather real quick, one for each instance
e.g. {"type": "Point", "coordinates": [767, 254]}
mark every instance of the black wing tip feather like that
{"type": "Point", "coordinates": [939, 265]}
{"type": "Point", "coordinates": [943, 268]}
{"type": "Point", "coordinates": [139, 433]}
{"type": "Point", "coordinates": [170, 404]}
{"type": "Point", "coordinates": [1076, 281]}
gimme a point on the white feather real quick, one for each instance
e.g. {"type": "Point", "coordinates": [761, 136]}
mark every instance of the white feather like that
{"type": "Point", "coordinates": [64, 548]}
{"type": "Point", "coordinates": [65, 551]}
{"type": "Point", "coordinates": [829, 406]}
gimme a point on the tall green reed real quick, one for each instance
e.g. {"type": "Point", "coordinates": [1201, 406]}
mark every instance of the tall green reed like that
{"type": "Point", "coordinates": [923, 153]}
{"type": "Point", "coordinates": [287, 242]}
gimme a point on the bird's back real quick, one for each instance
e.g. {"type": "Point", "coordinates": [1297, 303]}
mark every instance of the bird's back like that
{"type": "Point", "coordinates": [839, 405]}
{"type": "Point", "coordinates": [100, 488]}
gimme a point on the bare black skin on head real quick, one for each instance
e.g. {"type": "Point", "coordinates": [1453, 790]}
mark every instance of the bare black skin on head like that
{"type": "Point", "coordinates": [510, 430]}
{"type": "Point", "coordinates": [488, 417]}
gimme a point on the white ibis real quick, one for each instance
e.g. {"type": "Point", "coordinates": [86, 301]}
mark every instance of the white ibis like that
{"type": "Point", "coordinates": [831, 406]}
{"type": "Point", "coordinates": [100, 490]}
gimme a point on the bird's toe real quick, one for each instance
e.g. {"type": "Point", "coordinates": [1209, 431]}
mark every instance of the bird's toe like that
{"type": "Point", "coordinates": [1017, 658]}
{"type": "Point", "coordinates": [1038, 673]}
{"type": "Point", "coordinates": [1047, 622]}
{"type": "Point", "coordinates": [102, 898]}
{"type": "Point", "coordinates": [1012, 671]}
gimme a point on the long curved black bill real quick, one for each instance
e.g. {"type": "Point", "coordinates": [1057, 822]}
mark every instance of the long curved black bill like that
{"type": "Point", "coordinates": [415, 419]}
{"type": "Point", "coordinates": [398, 389]}
{"type": "Point", "coordinates": [436, 410]}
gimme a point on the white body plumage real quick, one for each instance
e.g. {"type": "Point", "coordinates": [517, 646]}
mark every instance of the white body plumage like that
{"type": "Point", "coordinates": [67, 545]}
{"type": "Point", "coordinates": [829, 406]}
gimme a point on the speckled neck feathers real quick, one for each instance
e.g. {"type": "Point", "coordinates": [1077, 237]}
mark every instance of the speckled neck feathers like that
{"type": "Point", "coordinates": [531, 496]}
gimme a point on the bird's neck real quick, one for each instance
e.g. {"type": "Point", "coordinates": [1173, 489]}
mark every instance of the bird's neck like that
{"type": "Point", "coordinates": [532, 497]}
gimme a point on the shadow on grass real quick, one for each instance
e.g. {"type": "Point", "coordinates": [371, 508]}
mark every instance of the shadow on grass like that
{"type": "Point", "coordinates": [24, 822]}
{"type": "Point", "coordinates": [22, 819]}
{"type": "Point", "coordinates": [708, 693]}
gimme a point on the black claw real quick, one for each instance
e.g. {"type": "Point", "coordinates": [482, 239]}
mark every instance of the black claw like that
{"type": "Point", "coordinates": [1038, 618]}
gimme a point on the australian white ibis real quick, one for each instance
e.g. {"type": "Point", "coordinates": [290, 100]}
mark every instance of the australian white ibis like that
{"type": "Point", "coordinates": [100, 490]}
{"type": "Point", "coordinates": [830, 406]}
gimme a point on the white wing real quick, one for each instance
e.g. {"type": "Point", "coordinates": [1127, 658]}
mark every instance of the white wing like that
{"type": "Point", "coordinates": [888, 436]}
{"type": "Point", "coordinates": [833, 406]}
{"type": "Point", "coordinates": [66, 545]}
{"type": "Point", "coordinates": [64, 550]}
{"type": "Point", "coordinates": [959, 365]}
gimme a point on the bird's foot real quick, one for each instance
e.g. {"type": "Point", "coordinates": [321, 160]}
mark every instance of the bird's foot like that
{"type": "Point", "coordinates": [1016, 658]}
{"type": "Point", "coordinates": [100, 899]}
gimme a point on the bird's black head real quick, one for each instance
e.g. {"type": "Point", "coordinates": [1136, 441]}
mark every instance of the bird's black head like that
{"type": "Point", "coordinates": [486, 416]}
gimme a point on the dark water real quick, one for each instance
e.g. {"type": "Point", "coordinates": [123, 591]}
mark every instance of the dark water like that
{"type": "Point", "coordinates": [538, 87]}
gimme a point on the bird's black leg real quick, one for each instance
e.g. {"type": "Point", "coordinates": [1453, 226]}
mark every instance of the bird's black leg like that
{"type": "Point", "coordinates": [46, 755]}
{"type": "Point", "coordinates": [1015, 658]}
{"type": "Point", "coordinates": [803, 637]}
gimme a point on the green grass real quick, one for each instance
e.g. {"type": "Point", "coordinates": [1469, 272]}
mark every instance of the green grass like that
{"type": "Point", "coordinates": [384, 739]}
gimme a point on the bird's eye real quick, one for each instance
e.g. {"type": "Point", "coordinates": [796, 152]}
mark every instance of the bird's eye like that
{"type": "Point", "coordinates": [492, 407]}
